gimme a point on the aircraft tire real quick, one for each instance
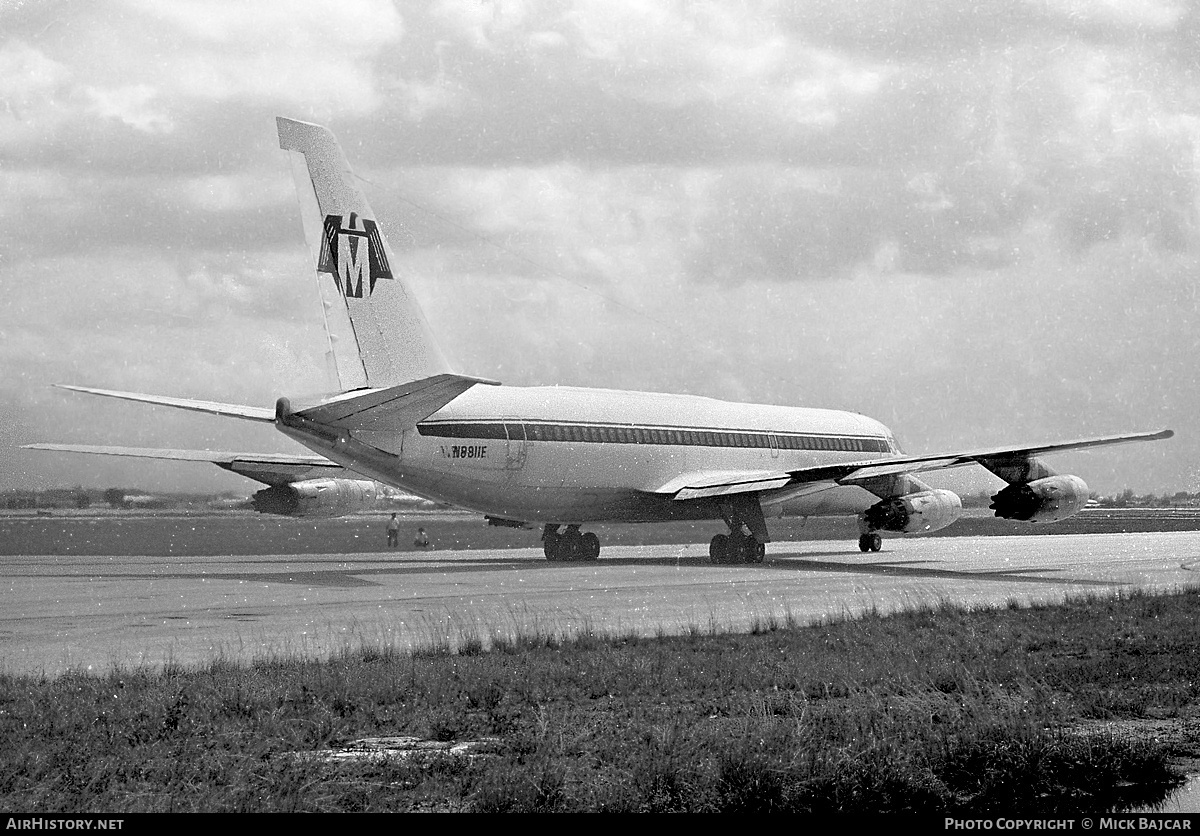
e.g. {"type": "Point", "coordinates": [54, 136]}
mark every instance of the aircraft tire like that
{"type": "Point", "coordinates": [570, 545]}
{"type": "Point", "coordinates": [870, 542]}
{"type": "Point", "coordinates": [718, 549]}
{"type": "Point", "coordinates": [734, 548]}
{"type": "Point", "coordinates": [590, 546]}
{"type": "Point", "coordinates": [751, 550]}
{"type": "Point", "coordinates": [550, 546]}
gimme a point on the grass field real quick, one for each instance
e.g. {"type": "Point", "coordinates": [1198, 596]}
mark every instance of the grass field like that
{"type": "Point", "coordinates": [938, 710]}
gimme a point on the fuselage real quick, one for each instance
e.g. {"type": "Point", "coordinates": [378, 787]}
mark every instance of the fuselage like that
{"type": "Point", "coordinates": [567, 454]}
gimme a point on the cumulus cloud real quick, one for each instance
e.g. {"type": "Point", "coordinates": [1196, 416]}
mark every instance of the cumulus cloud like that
{"type": "Point", "coordinates": [310, 54]}
{"type": "Point", "coordinates": [28, 78]}
{"type": "Point", "coordinates": [155, 68]}
{"type": "Point", "coordinates": [57, 214]}
{"type": "Point", "coordinates": [132, 104]}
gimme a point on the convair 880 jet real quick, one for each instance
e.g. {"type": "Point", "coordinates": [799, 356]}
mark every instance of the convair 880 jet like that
{"type": "Point", "coordinates": [562, 457]}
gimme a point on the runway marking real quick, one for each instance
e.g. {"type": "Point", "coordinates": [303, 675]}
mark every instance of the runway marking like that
{"type": "Point", "coordinates": [352, 577]}
{"type": "Point", "coordinates": [892, 568]}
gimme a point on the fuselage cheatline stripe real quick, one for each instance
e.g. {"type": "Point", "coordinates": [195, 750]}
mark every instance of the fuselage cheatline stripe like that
{"type": "Point", "coordinates": [630, 434]}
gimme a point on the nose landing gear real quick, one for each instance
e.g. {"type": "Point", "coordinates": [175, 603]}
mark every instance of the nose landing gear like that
{"type": "Point", "coordinates": [869, 538]}
{"type": "Point", "coordinates": [870, 542]}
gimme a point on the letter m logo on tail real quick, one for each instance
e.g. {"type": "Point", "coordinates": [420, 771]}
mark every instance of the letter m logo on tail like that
{"type": "Point", "coordinates": [348, 252]}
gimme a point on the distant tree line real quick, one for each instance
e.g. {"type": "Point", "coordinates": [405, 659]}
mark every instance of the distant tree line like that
{"type": "Point", "coordinates": [79, 497]}
{"type": "Point", "coordinates": [51, 498]}
{"type": "Point", "coordinates": [1125, 499]}
{"type": "Point", "coordinates": [1128, 499]}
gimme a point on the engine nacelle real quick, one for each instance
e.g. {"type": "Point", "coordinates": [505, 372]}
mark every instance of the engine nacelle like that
{"type": "Point", "coordinates": [922, 511]}
{"type": "Point", "coordinates": [319, 498]}
{"type": "Point", "coordinates": [1042, 500]}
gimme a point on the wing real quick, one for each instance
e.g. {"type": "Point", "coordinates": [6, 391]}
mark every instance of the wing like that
{"type": "Point", "coordinates": [712, 483]}
{"type": "Point", "coordinates": [268, 468]}
{"type": "Point", "coordinates": [917, 464]}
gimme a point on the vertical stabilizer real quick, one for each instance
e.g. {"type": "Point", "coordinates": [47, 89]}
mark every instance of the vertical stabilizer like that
{"type": "Point", "coordinates": [377, 333]}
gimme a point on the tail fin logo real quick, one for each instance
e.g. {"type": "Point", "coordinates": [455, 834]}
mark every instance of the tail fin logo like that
{"type": "Point", "coordinates": [347, 252]}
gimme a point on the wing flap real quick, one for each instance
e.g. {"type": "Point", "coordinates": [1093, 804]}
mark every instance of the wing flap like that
{"type": "Point", "coordinates": [729, 490]}
{"type": "Point", "coordinates": [710, 483]}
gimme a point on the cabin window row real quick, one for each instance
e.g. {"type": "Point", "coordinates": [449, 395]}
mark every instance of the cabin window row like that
{"type": "Point", "coordinates": [649, 435]}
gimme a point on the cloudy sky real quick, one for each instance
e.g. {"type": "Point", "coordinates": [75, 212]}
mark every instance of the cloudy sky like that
{"type": "Point", "coordinates": [976, 220]}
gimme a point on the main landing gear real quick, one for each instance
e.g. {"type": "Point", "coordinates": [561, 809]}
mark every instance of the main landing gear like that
{"type": "Point", "coordinates": [747, 537]}
{"type": "Point", "coordinates": [570, 544]}
{"type": "Point", "coordinates": [736, 547]}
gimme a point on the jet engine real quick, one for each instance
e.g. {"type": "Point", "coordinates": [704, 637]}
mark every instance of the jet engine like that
{"type": "Point", "coordinates": [319, 498]}
{"type": "Point", "coordinates": [1042, 500]}
{"type": "Point", "coordinates": [921, 511]}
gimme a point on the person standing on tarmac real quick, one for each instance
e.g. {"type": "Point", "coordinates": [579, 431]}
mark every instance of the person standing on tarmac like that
{"type": "Point", "coordinates": [393, 530]}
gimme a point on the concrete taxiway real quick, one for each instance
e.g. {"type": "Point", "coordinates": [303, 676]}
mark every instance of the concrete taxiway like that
{"type": "Point", "coordinates": [94, 613]}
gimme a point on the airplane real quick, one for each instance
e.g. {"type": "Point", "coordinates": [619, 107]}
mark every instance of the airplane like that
{"type": "Point", "coordinates": [558, 456]}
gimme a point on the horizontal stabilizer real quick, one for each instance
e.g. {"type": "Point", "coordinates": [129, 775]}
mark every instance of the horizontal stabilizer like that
{"type": "Point", "coordinates": [249, 413]}
{"type": "Point", "coordinates": [709, 483]}
{"type": "Point", "coordinates": [395, 407]}
{"type": "Point", "coordinates": [268, 468]}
